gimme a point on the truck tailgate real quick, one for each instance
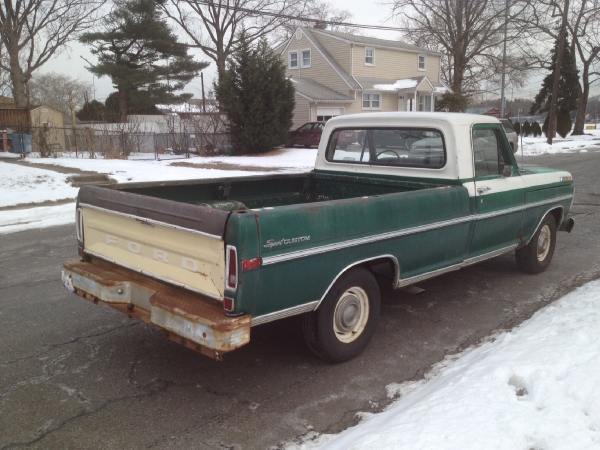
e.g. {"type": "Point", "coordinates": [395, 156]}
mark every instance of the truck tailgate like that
{"type": "Point", "coordinates": [170, 241]}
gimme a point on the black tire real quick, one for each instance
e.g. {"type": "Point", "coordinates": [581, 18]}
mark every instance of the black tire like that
{"type": "Point", "coordinates": [335, 336]}
{"type": "Point", "coordinates": [535, 257]}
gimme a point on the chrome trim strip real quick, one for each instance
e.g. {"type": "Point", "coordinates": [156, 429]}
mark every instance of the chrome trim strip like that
{"type": "Point", "coordinates": [476, 259]}
{"type": "Point", "coordinates": [542, 219]}
{"type": "Point", "coordinates": [424, 276]}
{"type": "Point", "coordinates": [293, 311]}
{"type": "Point", "coordinates": [454, 267]}
{"type": "Point", "coordinates": [268, 260]}
{"type": "Point", "coordinates": [366, 240]}
{"type": "Point", "coordinates": [227, 263]}
{"type": "Point", "coordinates": [154, 222]}
{"type": "Point", "coordinates": [151, 275]}
{"type": "Point", "coordinates": [523, 207]}
{"type": "Point", "coordinates": [392, 257]}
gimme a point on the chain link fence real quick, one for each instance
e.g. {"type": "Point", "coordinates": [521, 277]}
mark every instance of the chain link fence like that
{"type": "Point", "coordinates": [102, 142]}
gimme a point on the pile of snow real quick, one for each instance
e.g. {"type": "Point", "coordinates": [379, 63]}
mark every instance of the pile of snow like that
{"type": "Point", "coordinates": [536, 387]}
{"type": "Point", "coordinates": [571, 144]}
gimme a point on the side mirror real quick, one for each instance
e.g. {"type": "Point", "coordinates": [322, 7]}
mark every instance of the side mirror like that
{"type": "Point", "coordinates": [507, 171]}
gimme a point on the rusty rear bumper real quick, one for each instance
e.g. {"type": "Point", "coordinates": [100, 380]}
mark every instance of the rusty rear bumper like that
{"type": "Point", "coordinates": [188, 318]}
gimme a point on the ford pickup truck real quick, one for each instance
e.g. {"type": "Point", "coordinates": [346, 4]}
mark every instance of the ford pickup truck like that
{"type": "Point", "coordinates": [413, 196]}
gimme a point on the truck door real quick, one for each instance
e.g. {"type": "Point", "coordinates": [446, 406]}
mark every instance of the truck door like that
{"type": "Point", "coordinates": [499, 195]}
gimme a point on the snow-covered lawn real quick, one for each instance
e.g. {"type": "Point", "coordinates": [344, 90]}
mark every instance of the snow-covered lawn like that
{"type": "Point", "coordinates": [535, 387]}
{"type": "Point", "coordinates": [23, 185]}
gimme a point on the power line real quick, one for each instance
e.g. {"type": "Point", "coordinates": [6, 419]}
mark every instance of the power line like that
{"type": "Point", "coordinates": [299, 18]}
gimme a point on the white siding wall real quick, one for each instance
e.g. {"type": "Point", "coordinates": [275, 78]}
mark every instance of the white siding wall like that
{"type": "Point", "coordinates": [339, 51]}
{"type": "Point", "coordinates": [394, 64]}
{"type": "Point", "coordinates": [301, 112]}
{"type": "Point", "coordinates": [320, 70]}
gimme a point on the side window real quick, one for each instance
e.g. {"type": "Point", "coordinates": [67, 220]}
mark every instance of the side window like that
{"type": "Point", "coordinates": [400, 147]}
{"type": "Point", "coordinates": [369, 56]}
{"type": "Point", "coordinates": [305, 58]}
{"type": "Point", "coordinates": [293, 60]}
{"type": "Point", "coordinates": [487, 152]}
{"type": "Point", "coordinates": [422, 62]}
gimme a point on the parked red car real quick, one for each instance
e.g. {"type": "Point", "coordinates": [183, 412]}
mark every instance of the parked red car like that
{"type": "Point", "coordinates": [309, 135]}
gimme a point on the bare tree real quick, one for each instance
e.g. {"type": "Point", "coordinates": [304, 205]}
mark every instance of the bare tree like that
{"type": "Point", "coordinates": [213, 26]}
{"type": "Point", "coordinates": [33, 31]}
{"type": "Point", "coordinates": [585, 44]}
{"type": "Point", "coordinates": [59, 91]}
{"type": "Point", "coordinates": [317, 13]}
{"type": "Point", "coordinates": [470, 33]}
{"type": "Point", "coordinates": [583, 25]}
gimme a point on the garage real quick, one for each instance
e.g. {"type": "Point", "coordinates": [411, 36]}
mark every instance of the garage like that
{"type": "Point", "coordinates": [324, 114]}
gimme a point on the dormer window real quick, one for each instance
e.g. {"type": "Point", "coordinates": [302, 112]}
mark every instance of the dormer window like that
{"type": "Point", "coordinates": [305, 58]}
{"type": "Point", "coordinates": [422, 62]}
{"type": "Point", "coordinates": [293, 60]}
{"type": "Point", "coordinates": [369, 56]}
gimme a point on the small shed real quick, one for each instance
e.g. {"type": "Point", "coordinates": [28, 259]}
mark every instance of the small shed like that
{"type": "Point", "coordinates": [49, 124]}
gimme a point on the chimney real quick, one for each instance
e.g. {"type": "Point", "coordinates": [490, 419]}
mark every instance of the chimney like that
{"type": "Point", "coordinates": [320, 25]}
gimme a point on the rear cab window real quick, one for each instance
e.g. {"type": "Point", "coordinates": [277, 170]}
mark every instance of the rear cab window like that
{"type": "Point", "coordinates": [401, 147]}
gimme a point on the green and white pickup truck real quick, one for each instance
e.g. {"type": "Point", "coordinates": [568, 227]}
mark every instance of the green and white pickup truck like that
{"type": "Point", "coordinates": [405, 195]}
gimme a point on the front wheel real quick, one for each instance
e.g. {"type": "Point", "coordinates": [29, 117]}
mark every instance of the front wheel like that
{"type": "Point", "coordinates": [346, 319]}
{"type": "Point", "coordinates": [535, 257]}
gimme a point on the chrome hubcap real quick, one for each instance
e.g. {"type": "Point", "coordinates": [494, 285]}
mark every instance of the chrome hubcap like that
{"type": "Point", "coordinates": [351, 314]}
{"type": "Point", "coordinates": [543, 244]}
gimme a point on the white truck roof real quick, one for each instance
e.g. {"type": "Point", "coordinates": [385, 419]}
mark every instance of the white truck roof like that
{"type": "Point", "coordinates": [456, 128]}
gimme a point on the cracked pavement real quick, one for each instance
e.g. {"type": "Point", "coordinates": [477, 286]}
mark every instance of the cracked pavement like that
{"type": "Point", "coordinates": [76, 375]}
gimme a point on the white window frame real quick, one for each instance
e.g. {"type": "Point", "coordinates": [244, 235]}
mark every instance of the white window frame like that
{"type": "Point", "coordinates": [424, 62]}
{"type": "Point", "coordinates": [370, 100]}
{"type": "Point", "coordinates": [295, 52]}
{"type": "Point", "coordinates": [305, 66]}
{"type": "Point", "coordinates": [372, 56]}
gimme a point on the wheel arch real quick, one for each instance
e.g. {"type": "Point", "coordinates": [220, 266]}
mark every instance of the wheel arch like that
{"type": "Point", "coordinates": [367, 264]}
{"type": "Point", "coordinates": [558, 212]}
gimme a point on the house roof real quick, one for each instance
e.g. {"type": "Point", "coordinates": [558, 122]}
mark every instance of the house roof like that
{"type": "Point", "coordinates": [315, 91]}
{"type": "Point", "coordinates": [350, 81]}
{"type": "Point", "coordinates": [375, 42]}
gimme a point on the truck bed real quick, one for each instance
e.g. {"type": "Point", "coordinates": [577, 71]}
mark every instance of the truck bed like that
{"type": "Point", "coordinates": [271, 191]}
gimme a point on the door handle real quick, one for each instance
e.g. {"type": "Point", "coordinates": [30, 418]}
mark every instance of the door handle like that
{"type": "Point", "coordinates": [483, 189]}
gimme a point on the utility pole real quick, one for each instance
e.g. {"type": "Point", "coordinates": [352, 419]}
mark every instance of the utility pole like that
{"type": "Point", "coordinates": [203, 98]}
{"type": "Point", "coordinates": [502, 94]}
{"type": "Point", "coordinates": [559, 56]}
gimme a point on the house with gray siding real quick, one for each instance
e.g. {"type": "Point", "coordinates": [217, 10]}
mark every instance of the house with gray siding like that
{"type": "Point", "coordinates": [338, 73]}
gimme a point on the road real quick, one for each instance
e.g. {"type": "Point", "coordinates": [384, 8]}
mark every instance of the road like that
{"type": "Point", "coordinates": [74, 375]}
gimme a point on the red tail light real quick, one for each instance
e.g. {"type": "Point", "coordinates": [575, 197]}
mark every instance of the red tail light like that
{"type": "Point", "coordinates": [228, 304]}
{"type": "Point", "coordinates": [231, 269]}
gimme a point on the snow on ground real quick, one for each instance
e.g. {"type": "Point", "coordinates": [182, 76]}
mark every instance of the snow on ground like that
{"type": "Point", "coordinates": [138, 170]}
{"type": "Point", "coordinates": [535, 387]}
{"type": "Point", "coordinates": [35, 218]}
{"type": "Point", "coordinates": [20, 184]}
{"type": "Point", "coordinates": [571, 144]}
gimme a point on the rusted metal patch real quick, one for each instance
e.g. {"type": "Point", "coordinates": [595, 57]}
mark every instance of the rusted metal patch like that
{"type": "Point", "coordinates": [190, 319]}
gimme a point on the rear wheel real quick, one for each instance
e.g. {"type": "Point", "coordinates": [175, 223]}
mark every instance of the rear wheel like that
{"type": "Point", "coordinates": [346, 319]}
{"type": "Point", "coordinates": [535, 257]}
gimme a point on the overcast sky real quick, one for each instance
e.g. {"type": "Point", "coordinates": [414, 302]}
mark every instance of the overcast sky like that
{"type": "Point", "coordinates": [368, 13]}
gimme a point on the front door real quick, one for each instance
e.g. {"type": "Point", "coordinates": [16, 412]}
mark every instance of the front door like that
{"type": "Point", "coordinates": [499, 194]}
